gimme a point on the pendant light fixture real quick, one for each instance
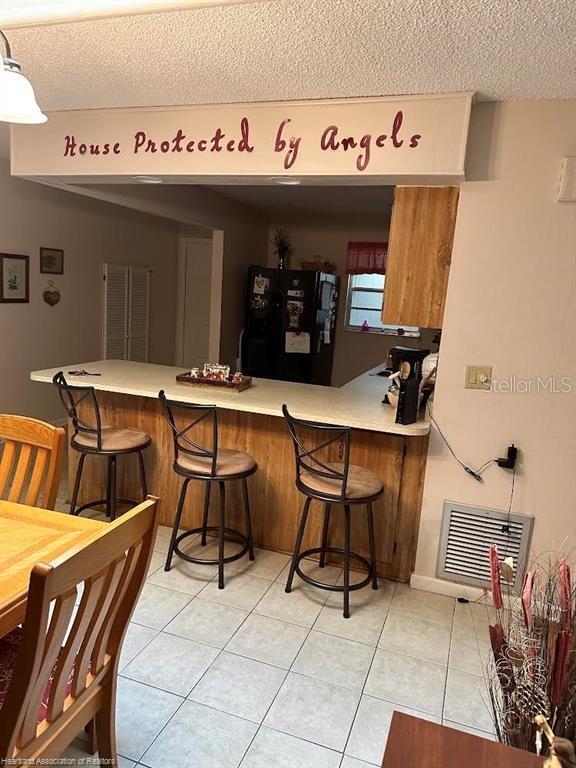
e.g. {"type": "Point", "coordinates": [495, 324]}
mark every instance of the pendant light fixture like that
{"type": "Point", "coordinates": [17, 100]}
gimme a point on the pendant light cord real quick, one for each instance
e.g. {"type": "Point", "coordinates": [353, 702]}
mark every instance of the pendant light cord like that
{"type": "Point", "coordinates": [7, 44]}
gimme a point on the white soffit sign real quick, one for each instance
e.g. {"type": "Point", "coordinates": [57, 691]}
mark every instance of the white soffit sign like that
{"type": "Point", "coordinates": [412, 136]}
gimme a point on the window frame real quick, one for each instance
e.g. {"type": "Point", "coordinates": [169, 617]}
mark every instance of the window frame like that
{"type": "Point", "coordinates": [389, 330]}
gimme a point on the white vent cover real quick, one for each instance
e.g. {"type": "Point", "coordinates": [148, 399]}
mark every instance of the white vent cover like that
{"type": "Point", "coordinates": [468, 532]}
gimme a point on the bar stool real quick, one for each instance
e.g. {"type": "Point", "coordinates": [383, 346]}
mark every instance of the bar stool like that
{"type": "Point", "coordinates": [339, 483]}
{"type": "Point", "coordinates": [193, 461]}
{"type": "Point", "coordinates": [90, 437]}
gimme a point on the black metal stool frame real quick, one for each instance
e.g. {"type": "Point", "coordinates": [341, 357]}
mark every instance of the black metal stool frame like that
{"type": "Point", "coordinates": [183, 444]}
{"type": "Point", "coordinates": [71, 396]}
{"type": "Point", "coordinates": [308, 461]}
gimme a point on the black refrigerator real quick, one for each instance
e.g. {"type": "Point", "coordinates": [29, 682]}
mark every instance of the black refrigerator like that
{"type": "Point", "coordinates": [290, 325]}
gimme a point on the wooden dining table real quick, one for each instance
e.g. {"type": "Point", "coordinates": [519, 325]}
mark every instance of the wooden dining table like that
{"type": "Point", "coordinates": [29, 535]}
{"type": "Point", "coordinates": [417, 743]}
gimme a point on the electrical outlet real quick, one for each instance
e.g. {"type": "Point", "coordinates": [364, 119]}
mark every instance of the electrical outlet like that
{"type": "Point", "coordinates": [478, 377]}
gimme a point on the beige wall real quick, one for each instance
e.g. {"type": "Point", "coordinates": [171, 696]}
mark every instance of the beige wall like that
{"type": "Point", "coordinates": [511, 304]}
{"type": "Point", "coordinates": [328, 236]}
{"type": "Point", "coordinates": [244, 236]}
{"type": "Point", "coordinates": [90, 232]}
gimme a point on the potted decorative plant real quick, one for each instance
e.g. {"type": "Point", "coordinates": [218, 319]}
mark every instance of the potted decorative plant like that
{"type": "Point", "coordinates": [282, 246]}
{"type": "Point", "coordinates": [532, 669]}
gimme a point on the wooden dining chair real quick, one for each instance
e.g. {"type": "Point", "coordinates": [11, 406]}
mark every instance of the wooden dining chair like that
{"type": "Point", "coordinates": [31, 460]}
{"type": "Point", "coordinates": [65, 661]}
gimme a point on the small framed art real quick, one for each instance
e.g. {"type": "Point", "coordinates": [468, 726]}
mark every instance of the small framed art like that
{"type": "Point", "coordinates": [14, 278]}
{"type": "Point", "coordinates": [52, 261]}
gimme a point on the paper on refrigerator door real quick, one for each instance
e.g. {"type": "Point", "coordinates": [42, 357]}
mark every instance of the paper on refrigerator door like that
{"type": "Point", "coordinates": [297, 343]}
{"type": "Point", "coordinates": [261, 284]}
{"type": "Point", "coordinates": [327, 324]}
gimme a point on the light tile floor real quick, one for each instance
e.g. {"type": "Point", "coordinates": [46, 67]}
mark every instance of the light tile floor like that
{"type": "Point", "coordinates": [253, 677]}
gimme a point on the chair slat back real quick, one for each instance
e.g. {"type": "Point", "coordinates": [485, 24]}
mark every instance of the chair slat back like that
{"type": "Point", "coordinates": [182, 436]}
{"type": "Point", "coordinates": [31, 460]}
{"type": "Point", "coordinates": [66, 653]}
{"type": "Point", "coordinates": [72, 396]}
{"type": "Point", "coordinates": [312, 441]}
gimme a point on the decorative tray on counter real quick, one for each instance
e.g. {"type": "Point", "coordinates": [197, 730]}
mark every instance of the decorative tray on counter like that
{"type": "Point", "coordinates": [202, 381]}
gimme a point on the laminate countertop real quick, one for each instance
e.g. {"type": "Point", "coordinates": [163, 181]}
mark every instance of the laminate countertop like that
{"type": "Point", "coordinates": [357, 404]}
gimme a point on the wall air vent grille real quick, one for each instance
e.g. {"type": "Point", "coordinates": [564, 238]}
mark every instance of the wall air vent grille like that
{"type": "Point", "coordinates": [468, 532]}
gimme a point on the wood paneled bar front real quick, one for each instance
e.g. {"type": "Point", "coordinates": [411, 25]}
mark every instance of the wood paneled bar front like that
{"type": "Point", "coordinates": [251, 421]}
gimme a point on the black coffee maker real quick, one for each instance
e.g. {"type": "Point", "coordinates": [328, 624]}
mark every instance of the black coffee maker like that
{"type": "Point", "coordinates": [408, 362]}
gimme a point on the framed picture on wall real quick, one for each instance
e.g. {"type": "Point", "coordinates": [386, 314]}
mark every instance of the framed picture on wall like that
{"type": "Point", "coordinates": [52, 261]}
{"type": "Point", "coordinates": [14, 278]}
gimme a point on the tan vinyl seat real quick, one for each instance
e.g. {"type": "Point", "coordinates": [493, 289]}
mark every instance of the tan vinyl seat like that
{"type": "Point", "coordinates": [228, 463]}
{"type": "Point", "coordinates": [115, 439]}
{"type": "Point", "coordinates": [362, 483]}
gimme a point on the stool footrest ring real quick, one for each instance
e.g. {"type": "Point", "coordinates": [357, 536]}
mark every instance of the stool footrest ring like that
{"type": "Point", "coordinates": [333, 587]}
{"type": "Point", "coordinates": [229, 535]}
{"type": "Point", "coordinates": [104, 503]}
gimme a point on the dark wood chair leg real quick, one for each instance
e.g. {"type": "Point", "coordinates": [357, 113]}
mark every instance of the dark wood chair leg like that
{"type": "Point", "coordinates": [372, 541]}
{"type": "Point", "coordinates": [109, 486]}
{"type": "Point", "coordinates": [346, 561]}
{"type": "Point", "coordinates": [325, 535]}
{"type": "Point", "coordinates": [77, 484]}
{"type": "Point", "coordinates": [298, 544]}
{"type": "Point", "coordinates": [176, 525]}
{"type": "Point", "coordinates": [106, 727]}
{"type": "Point", "coordinates": [113, 487]}
{"type": "Point", "coordinates": [248, 518]}
{"type": "Point", "coordinates": [91, 733]}
{"type": "Point", "coordinates": [206, 508]}
{"type": "Point", "coordinates": [142, 476]}
{"type": "Point", "coordinates": [221, 534]}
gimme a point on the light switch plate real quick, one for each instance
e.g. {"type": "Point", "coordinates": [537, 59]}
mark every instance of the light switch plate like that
{"type": "Point", "coordinates": [478, 377]}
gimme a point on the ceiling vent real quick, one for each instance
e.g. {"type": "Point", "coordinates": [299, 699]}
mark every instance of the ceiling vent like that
{"type": "Point", "coordinates": [468, 532]}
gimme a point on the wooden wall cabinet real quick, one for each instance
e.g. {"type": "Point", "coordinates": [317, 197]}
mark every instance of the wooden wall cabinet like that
{"type": "Point", "coordinates": [419, 255]}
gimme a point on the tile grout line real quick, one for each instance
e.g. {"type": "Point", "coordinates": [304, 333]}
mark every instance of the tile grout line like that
{"type": "Point", "coordinates": [448, 664]}
{"type": "Point", "coordinates": [220, 651]}
{"type": "Point", "coordinates": [141, 650]}
{"type": "Point", "coordinates": [290, 669]}
{"type": "Point", "coordinates": [261, 725]}
{"type": "Point", "coordinates": [139, 760]}
{"type": "Point", "coordinates": [193, 597]}
{"type": "Point", "coordinates": [367, 675]}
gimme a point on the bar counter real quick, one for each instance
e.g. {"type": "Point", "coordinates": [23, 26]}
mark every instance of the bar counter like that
{"type": "Point", "coordinates": [251, 421]}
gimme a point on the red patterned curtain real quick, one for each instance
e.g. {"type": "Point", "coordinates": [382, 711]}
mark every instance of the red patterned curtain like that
{"type": "Point", "coordinates": [366, 258]}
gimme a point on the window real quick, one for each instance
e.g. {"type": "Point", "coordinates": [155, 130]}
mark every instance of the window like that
{"type": "Point", "coordinates": [364, 304]}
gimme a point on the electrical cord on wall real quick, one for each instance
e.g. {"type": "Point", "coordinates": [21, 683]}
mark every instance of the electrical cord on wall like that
{"type": "Point", "coordinates": [475, 473]}
{"type": "Point", "coordinates": [507, 527]}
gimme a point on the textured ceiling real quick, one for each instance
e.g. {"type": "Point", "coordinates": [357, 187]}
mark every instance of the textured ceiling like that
{"type": "Point", "coordinates": [305, 49]}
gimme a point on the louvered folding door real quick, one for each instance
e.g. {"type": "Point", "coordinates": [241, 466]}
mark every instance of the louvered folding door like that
{"type": "Point", "coordinates": [115, 312]}
{"type": "Point", "coordinates": [126, 312]}
{"type": "Point", "coordinates": [138, 313]}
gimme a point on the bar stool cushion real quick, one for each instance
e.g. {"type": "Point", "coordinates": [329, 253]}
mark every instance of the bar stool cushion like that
{"type": "Point", "coordinates": [228, 463]}
{"type": "Point", "coordinates": [113, 439]}
{"type": "Point", "coordinates": [362, 483]}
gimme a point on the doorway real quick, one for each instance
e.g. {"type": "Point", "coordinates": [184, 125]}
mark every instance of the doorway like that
{"type": "Point", "coordinates": [199, 301]}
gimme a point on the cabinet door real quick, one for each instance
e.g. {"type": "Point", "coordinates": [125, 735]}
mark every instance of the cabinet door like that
{"type": "Point", "coordinates": [419, 254]}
